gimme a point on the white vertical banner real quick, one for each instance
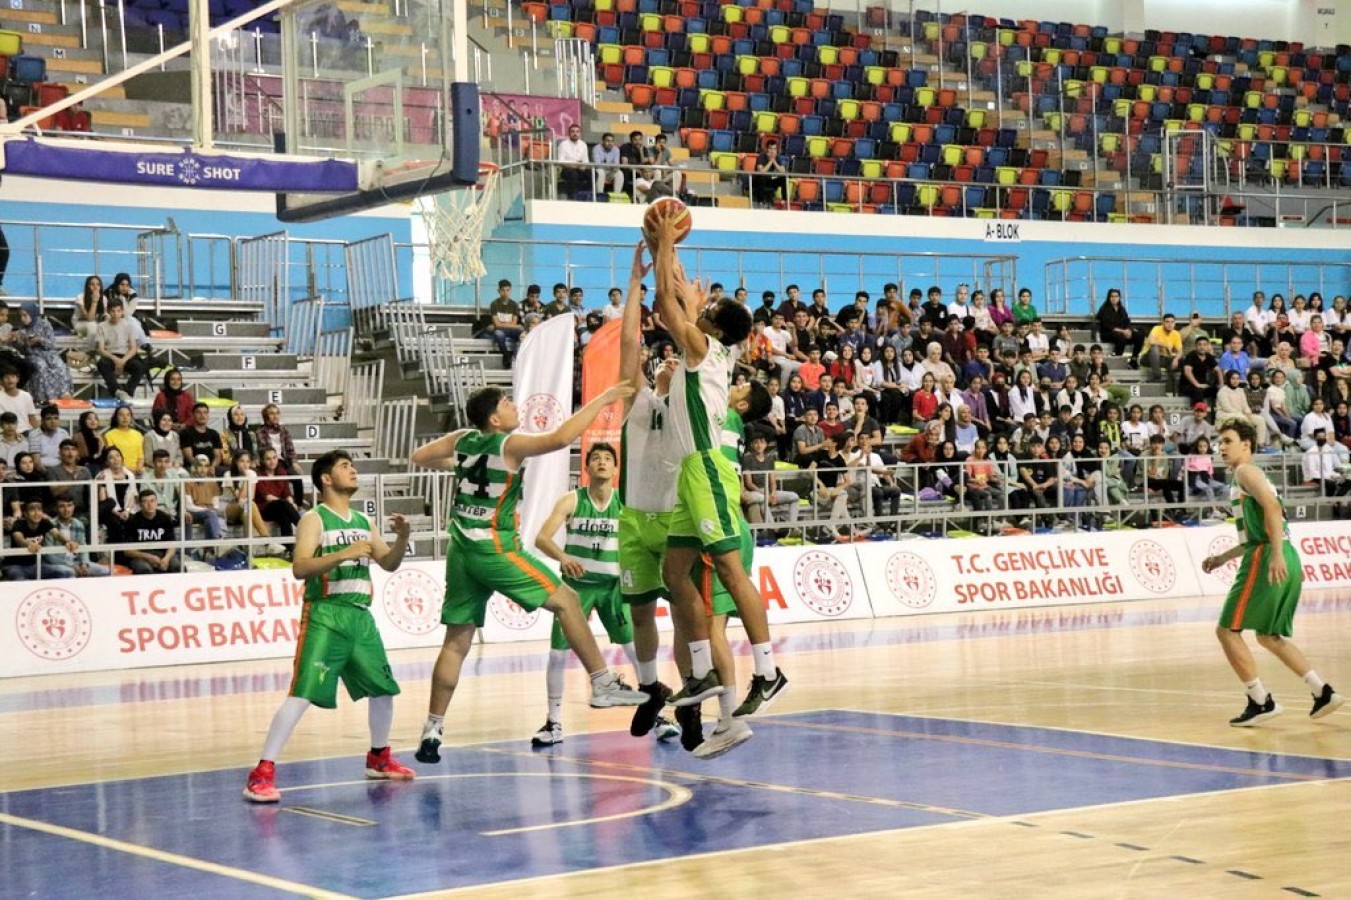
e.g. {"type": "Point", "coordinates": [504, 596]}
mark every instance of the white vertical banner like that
{"type": "Point", "coordinates": [542, 388]}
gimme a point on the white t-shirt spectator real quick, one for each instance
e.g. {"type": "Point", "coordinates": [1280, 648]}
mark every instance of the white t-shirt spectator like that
{"type": "Point", "coordinates": [21, 404]}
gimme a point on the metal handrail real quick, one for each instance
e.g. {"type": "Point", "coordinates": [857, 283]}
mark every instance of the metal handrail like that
{"type": "Point", "coordinates": [1079, 284]}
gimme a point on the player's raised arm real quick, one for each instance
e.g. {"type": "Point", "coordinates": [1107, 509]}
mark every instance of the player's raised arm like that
{"type": "Point", "coordinates": [390, 557]}
{"type": "Point", "coordinates": [631, 326]}
{"type": "Point", "coordinates": [520, 447]}
{"type": "Point", "coordinates": [679, 302]}
{"type": "Point", "coordinates": [440, 453]}
{"type": "Point", "coordinates": [544, 540]}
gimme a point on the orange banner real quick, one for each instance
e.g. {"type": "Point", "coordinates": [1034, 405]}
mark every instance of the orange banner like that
{"type": "Point", "coordinates": [600, 370]}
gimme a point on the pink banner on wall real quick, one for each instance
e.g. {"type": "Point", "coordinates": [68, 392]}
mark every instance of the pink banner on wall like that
{"type": "Point", "coordinates": [505, 115]}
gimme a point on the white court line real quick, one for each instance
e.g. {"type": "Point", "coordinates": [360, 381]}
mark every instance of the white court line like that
{"type": "Point", "coordinates": [173, 859]}
{"type": "Point", "coordinates": [893, 832]}
{"type": "Point", "coordinates": [1127, 737]}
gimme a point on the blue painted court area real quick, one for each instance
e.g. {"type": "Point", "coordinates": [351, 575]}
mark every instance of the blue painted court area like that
{"type": "Point", "coordinates": [499, 812]}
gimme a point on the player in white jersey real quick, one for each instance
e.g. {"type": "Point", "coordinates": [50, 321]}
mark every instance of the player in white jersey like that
{"type": "Point", "coordinates": [707, 516]}
{"type": "Point", "coordinates": [647, 488]}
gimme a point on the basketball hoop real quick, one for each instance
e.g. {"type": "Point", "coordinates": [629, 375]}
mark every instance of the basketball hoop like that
{"type": "Point", "coordinates": [454, 221]}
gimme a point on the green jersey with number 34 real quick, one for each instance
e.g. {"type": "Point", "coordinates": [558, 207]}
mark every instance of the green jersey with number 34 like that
{"type": "Point", "coordinates": [483, 514]}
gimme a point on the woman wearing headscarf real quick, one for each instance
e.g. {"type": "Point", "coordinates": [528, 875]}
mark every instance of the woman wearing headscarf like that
{"type": "Point", "coordinates": [174, 400]}
{"type": "Point", "coordinates": [51, 376]}
{"type": "Point", "coordinates": [238, 435]}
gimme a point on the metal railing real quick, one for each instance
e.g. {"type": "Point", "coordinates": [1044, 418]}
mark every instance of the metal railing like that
{"type": "Point", "coordinates": [1151, 286]}
{"type": "Point", "coordinates": [598, 266]}
{"type": "Point", "coordinates": [951, 510]}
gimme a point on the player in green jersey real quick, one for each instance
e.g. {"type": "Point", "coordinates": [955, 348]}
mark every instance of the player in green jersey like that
{"type": "Point", "coordinates": [485, 553]}
{"type": "Point", "coordinates": [1266, 589]}
{"type": "Point", "coordinates": [335, 546]}
{"type": "Point", "coordinates": [707, 516]}
{"type": "Point", "coordinates": [589, 560]}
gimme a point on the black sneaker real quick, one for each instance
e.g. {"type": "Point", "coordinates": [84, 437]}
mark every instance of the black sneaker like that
{"type": "Point", "coordinates": [691, 722]}
{"type": "Point", "coordinates": [1256, 713]}
{"type": "Point", "coordinates": [645, 716]}
{"type": "Point", "coordinates": [697, 691]}
{"type": "Point", "coordinates": [429, 751]}
{"type": "Point", "coordinates": [762, 694]}
{"type": "Point", "coordinates": [1326, 703]}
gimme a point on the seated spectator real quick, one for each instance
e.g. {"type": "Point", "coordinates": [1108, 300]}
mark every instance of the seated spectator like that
{"type": "Point", "coordinates": [1024, 313]}
{"type": "Point", "coordinates": [30, 484]}
{"type": "Point", "coordinates": [900, 378]}
{"type": "Point", "coordinates": [70, 531]}
{"type": "Point", "coordinates": [45, 440]}
{"type": "Point", "coordinates": [239, 488]}
{"type": "Point", "coordinates": [1039, 473]}
{"type": "Point", "coordinates": [1159, 475]}
{"type": "Point", "coordinates": [50, 376]}
{"type": "Point", "coordinates": [874, 476]}
{"type": "Point", "coordinates": [573, 158]}
{"type": "Point", "coordinates": [832, 425]}
{"type": "Point", "coordinates": [163, 437]}
{"type": "Point", "coordinates": [607, 176]}
{"type": "Point", "coordinates": [1231, 402]}
{"type": "Point", "coordinates": [1200, 374]}
{"type": "Point", "coordinates": [1053, 369]}
{"type": "Point", "coordinates": [809, 438]}
{"type": "Point", "coordinates": [174, 400]}
{"type": "Point", "coordinates": [163, 479]}
{"type": "Point", "coordinates": [761, 495]}
{"type": "Point", "coordinates": [72, 478]}
{"type": "Point", "coordinates": [273, 495]}
{"type": "Point", "coordinates": [12, 443]}
{"type": "Point", "coordinates": [116, 494]}
{"type": "Point", "coordinates": [202, 499]}
{"type": "Point", "coordinates": [89, 308]}
{"type": "Point", "coordinates": [150, 526]}
{"type": "Point", "coordinates": [89, 442]}
{"type": "Point", "coordinates": [1199, 469]}
{"type": "Point", "coordinates": [1192, 429]}
{"type": "Point", "coordinates": [943, 479]}
{"type": "Point", "coordinates": [1322, 467]}
{"type": "Point", "coordinates": [983, 486]}
{"type": "Point", "coordinates": [29, 533]}
{"type": "Point", "coordinates": [126, 437]}
{"type": "Point", "coordinates": [1316, 420]}
{"type": "Point", "coordinates": [118, 352]}
{"type": "Point", "coordinates": [923, 447]}
{"type": "Point", "coordinates": [238, 435]}
{"type": "Point", "coordinates": [830, 494]}
{"type": "Point", "coordinates": [1163, 348]}
{"type": "Point", "coordinates": [1115, 328]}
{"type": "Point", "coordinates": [1114, 486]}
{"type": "Point", "coordinates": [17, 401]}
{"type": "Point", "coordinates": [770, 181]}
{"type": "Point", "coordinates": [966, 434]}
{"type": "Point", "coordinates": [272, 433]}
{"type": "Point", "coordinates": [199, 439]}
{"type": "Point", "coordinates": [504, 326]}
{"type": "Point", "coordinates": [1278, 409]}
{"type": "Point", "coordinates": [860, 422]}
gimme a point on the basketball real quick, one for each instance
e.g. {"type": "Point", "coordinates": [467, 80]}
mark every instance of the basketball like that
{"type": "Point", "coordinates": [684, 220]}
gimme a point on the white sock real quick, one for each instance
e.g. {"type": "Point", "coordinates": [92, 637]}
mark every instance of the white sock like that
{"type": "Point", "coordinates": [381, 716]}
{"type": "Point", "coordinates": [283, 723]}
{"type": "Point", "coordinates": [726, 703]}
{"type": "Point", "coordinates": [647, 671]}
{"type": "Point", "coordinates": [600, 678]}
{"type": "Point", "coordinates": [763, 654]}
{"type": "Point", "coordinates": [701, 658]}
{"type": "Point", "coordinates": [434, 723]}
{"type": "Point", "coordinates": [1314, 682]}
{"type": "Point", "coordinates": [1256, 690]}
{"type": "Point", "coordinates": [554, 677]}
{"type": "Point", "coordinates": [632, 654]}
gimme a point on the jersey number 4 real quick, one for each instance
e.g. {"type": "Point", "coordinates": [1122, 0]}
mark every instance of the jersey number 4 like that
{"type": "Point", "coordinates": [476, 474]}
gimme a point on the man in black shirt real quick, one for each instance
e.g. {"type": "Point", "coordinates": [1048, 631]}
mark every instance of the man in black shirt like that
{"type": "Point", "coordinates": [504, 326]}
{"type": "Point", "coordinates": [831, 495]}
{"type": "Point", "coordinates": [765, 312]}
{"type": "Point", "coordinates": [934, 310]}
{"type": "Point", "coordinates": [29, 532]}
{"type": "Point", "coordinates": [1200, 380]}
{"type": "Point", "coordinates": [771, 177]}
{"type": "Point", "coordinates": [199, 440]}
{"type": "Point", "coordinates": [149, 526]}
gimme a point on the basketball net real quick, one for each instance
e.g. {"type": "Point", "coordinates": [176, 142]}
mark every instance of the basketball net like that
{"type": "Point", "coordinates": [454, 222]}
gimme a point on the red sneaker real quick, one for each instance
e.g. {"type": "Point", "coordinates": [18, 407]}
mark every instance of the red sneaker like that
{"type": "Point", "coordinates": [384, 766]}
{"type": "Point", "coordinates": [262, 784]}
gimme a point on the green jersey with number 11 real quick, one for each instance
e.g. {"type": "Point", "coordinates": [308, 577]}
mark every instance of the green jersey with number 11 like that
{"type": "Point", "coordinates": [483, 515]}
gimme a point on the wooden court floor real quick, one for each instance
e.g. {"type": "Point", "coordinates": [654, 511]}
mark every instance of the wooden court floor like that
{"type": "Point", "coordinates": [1150, 671]}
